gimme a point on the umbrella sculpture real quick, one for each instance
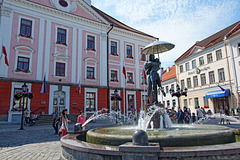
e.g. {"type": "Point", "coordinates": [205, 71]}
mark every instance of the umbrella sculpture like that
{"type": "Point", "coordinates": [153, 65]}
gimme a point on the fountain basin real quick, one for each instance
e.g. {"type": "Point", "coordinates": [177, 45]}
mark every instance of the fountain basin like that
{"type": "Point", "coordinates": [72, 148]}
{"type": "Point", "coordinates": [179, 135]}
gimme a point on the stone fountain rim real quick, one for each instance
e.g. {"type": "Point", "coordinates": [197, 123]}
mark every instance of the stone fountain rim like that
{"type": "Point", "coordinates": [70, 141]}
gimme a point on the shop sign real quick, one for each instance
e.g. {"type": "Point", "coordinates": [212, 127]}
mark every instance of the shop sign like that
{"type": "Point", "coordinates": [198, 70]}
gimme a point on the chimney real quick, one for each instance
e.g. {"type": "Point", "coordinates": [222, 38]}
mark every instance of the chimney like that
{"type": "Point", "coordinates": [88, 2]}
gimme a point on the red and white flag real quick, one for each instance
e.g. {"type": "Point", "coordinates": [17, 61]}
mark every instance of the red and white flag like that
{"type": "Point", "coordinates": [124, 70]}
{"type": "Point", "coordinates": [5, 53]}
{"type": "Point", "coordinates": [144, 73]}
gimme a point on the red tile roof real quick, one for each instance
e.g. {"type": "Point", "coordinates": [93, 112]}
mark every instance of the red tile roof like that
{"type": "Point", "coordinates": [119, 24]}
{"type": "Point", "coordinates": [214, 39]}
{"type": "Point", "coordinates": [169, 75]}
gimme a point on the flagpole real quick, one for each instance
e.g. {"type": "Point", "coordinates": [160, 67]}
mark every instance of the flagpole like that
{"type": "Point", "coordinates": [124, 100]}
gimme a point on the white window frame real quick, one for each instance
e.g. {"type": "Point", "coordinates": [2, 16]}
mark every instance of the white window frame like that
{"type": "Point", "coordinates": [87, 61]}
{"type": "Point", "coordinates": [131, 93]}
{"type": "Point", "coordinates": [66, 68]}
{"type": "Point", "coordinates": [117, 75]}
{"type": "Point", "coordinates": [93, 90]}
{"type": "Point", "coordinates": [132, 77]}
{"type": "Point", "coordinates": [25, 49]}
{"type": "Point", "coordinates": [19, 25]}
{"type": "Point", "coordinates": [95, 42]}
{"type": "Point", "coordinates": [129, 44]}
{"type": "Point", "coordinates": [56, 32]}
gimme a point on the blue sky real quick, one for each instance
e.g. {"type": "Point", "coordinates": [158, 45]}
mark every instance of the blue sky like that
{"type": "Point", "coordinates": [181, 22]}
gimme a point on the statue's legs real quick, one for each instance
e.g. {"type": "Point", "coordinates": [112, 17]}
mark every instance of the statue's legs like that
{"type": "Point", "coordinates": [154, 92]}
{"type": "Point", "coordinates": [149, 89]}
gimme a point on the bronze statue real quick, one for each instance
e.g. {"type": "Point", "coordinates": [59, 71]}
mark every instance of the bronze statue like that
{"type": "Point", "coordinates": [153, 80]}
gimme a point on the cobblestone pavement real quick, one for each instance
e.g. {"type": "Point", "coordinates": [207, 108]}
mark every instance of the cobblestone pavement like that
{"type": "Point", "coordinates": [35, 151]}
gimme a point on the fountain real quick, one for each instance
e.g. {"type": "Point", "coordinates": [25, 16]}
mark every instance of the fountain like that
{"type": "Point", "coordinates": [155, 137]}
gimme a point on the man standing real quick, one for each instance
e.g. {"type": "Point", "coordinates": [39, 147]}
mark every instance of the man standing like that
{"type": "Point", "coordinates": [199, 113]}
{"type": "Point", "coordinates": [55, 120]}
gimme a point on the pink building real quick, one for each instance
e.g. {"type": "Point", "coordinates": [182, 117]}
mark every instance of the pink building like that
{"type": "Point", "coordinates": [66, 40]}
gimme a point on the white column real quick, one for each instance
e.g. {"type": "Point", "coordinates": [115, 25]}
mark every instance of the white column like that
{"type": "Point", "coordinates": [40, 49]}
{"type": "Point", "coordinates": [74, 52]}
{"type": "Point", "coordinates": [103, 59]}
{"type": "Point", "coordinates": [47, 50]}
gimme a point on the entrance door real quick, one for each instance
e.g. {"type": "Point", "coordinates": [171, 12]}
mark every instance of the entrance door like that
{"type": "Point", "coordinates": [220, 102]}
{"type": "Point", "coordinates": [59, 100]}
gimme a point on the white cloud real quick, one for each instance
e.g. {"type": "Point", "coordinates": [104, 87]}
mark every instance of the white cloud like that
{"type": "Point", "coordinates": [181, 22]}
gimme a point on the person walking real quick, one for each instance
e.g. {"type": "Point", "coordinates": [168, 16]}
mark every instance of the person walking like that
{"type": "Point", "coordinates": [227, 113]}
{"type": "Point", "coordinates": [221, 111]}
{"type": "Point", "coordinates": [65, 122]}
{"type": "Point", "coordinates": [82, 119]}
{"type": "Point", "coordinates": [55, 120]}
{"type": "Point", "coordinates": [180, 115]}
{"type": "Point", "coordinates": [199, 113]}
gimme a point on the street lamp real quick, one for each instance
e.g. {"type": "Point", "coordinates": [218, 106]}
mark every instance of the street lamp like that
{"type": "Point", "coordinates": [24, 89]}
{"type": "Point", "coordinates": [116, 93]}
{"type": "Point", "coordinates": [179, 92]}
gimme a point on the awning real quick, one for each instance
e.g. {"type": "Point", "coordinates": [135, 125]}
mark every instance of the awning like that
{"type": "Point", "coordinates": [218, 93]}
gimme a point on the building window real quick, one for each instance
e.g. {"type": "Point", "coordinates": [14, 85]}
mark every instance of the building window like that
{"type": "Point", "coordinates": [187, 66]}
{"type": "Point", "coordinates": [206, 104]}
{"type": "Point", "coordinates": [196, 102]}
{"type": "Point", "coordinates": [189, 84]}
{"type": "Point", "coordinates": [61, 36]}
{"type": "Point", "coordinates": [23, 64]}
{"type": "Point", "coordinates": [168, 103]}
{"type": "Point", "coordinates": [114, 76]}
{"type": "Point", "coordinates": [221, 75]}
{"type": "Point", "coordinates": [143, 57]}
{"type": "Point", "coordinates": [131, 105]}
{"type": "Point", "coordinates": [90, 101]}
{"type": "Point", "coordinates": [211, 77]}
{"type": "Point", "coordinates": [130, 78]}
{"type": "Point", "coordinates": [201, 61]}
{"type": "Point", "coordinates": [219, 54]}
{"type": "Point", "coordinates": [114, 48]}
{"type": "Point", "coordinates": [181, 68]}
{"type": "Point", "coordinates": [209, 58]}
{"type": "Point", "coordinates": [195, 81]}
{"type": "Point", "coordinates": [91, 43]}
{"type": "Point", "coordinates": [26, 28]}
{"type": "Point", "coordinates": [203, 79]}
{"type": "Point", "coordinates": [167, 90]}
{"type": "Point", "coordinates": [194, 65]}
{"type": "Point", "coordinates": [185, 102]}
{"type": "Point", "coordinates": [90, 73]}
{"type": "Point", "coordinates": [174, 103]}
{"type": "Point", "coordinates": [129, 51]}
{"type": "Point", "coordinates": [60, 69]}
{"type": "Point", "coordinates": [172, 86]}
{"type": "Point", "coordinates": [182, 84]}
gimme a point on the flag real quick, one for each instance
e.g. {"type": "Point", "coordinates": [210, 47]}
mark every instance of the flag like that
{"type": "Point", "coordinates": [161, 72]}
{"type": "Point", "coordinates": [79, 86]}
{"type": "Point", "coordinates": [44, 86]}
{"type": "Point", "coordinates": [144, 73]}
{"type": "Point", "coordinates": [124, 70]}
{"type": "Point", "coordinates": [5, 53]}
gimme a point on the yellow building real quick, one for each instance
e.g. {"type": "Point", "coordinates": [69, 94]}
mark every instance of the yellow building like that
{"type": "Point", "coordinates": [206, 70]}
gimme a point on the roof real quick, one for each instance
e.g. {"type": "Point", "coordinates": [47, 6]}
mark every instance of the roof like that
{"type": "Point", "coordinates": [212, 40]}
{"type": "Point", "coordinates": [119, 24]}
{"type": "Point", "coordinates": [170, 74]}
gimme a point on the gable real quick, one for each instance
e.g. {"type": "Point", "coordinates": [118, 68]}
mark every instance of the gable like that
{"type": "Point", "coordinates": [74, 7]}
